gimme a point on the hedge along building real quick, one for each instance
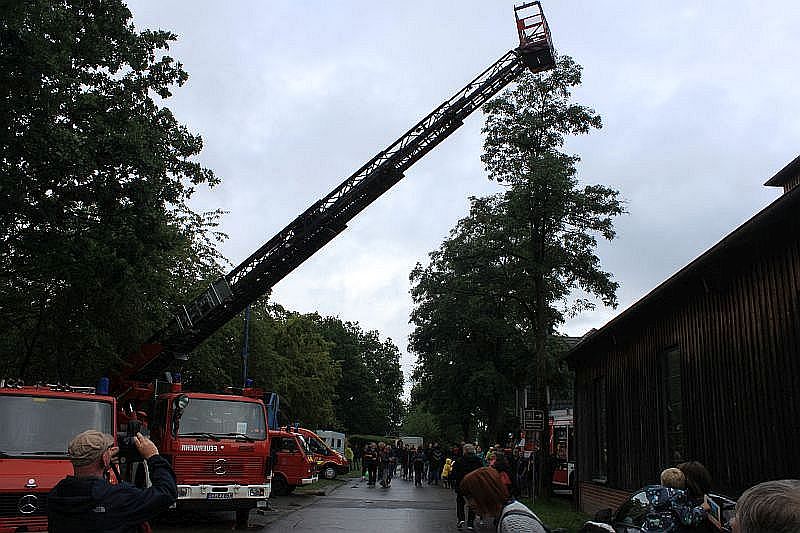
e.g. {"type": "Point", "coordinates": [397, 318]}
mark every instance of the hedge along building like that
{"type": "Point", "coordinates": [705, 367]}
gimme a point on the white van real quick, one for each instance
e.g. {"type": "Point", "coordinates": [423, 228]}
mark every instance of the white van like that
{"type": "Point", "coordinates": [333, 439]}
{"type": "Point", "coordinates": [413, 441]}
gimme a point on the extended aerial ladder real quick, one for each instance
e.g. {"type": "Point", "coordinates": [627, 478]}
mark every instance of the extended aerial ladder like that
{"type": "Point", "coordinates": [328, 217]}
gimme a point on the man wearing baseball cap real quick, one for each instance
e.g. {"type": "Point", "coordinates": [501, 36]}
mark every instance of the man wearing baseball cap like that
{"type": "Point", "coordinates": [87, 502]}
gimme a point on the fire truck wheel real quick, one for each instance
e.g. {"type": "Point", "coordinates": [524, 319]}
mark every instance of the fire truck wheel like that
{"type": "Point", "coordinates": [242, 518]}
{"type": "Point", "coordinates": [329, 472]}
{"type": "Point", "coordinates": [279, 486]}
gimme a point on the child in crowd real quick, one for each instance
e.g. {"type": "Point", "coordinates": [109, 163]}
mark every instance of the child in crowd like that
{"type": "Point", "coordinates": [674, 481]}
{"type": "Point", "coordinates": [448, 466]}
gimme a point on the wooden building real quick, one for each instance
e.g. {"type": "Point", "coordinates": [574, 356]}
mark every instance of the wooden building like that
{"type": "Point", "coordinates": [705, 367]}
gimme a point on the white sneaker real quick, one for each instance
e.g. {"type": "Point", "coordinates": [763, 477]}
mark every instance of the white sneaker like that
{"type": "Point", "coordinates": [460, 525]}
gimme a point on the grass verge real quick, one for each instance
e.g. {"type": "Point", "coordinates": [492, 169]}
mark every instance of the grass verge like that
{"type": "Point", "coordinates": [557, 512]}
{"type": "Point", "coordinates": [324, 485]}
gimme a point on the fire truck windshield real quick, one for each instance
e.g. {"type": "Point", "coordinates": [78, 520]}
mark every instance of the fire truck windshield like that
{"type": "Point", "coordinates": [44, 426]}
{"type": "Point", "coordinates": [222, 418]}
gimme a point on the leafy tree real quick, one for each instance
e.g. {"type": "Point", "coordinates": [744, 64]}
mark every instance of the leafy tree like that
{"type": "Point", "coordinates": [357, 407]}
{"type": "Point", "coordinates": [421, 423]}
{"type": "Point", "coordinates": [96, 236]}
{"type": "Point", "coordinates": [382, 359]}
{"type": "Point", "coordinates": [372, 381]}
{"type": "Point", "coordinates": [523, 260]}
{"type": "Point", "coordinates": [551, 224]}
{"type": "Point", "coordinates": [466, 343]}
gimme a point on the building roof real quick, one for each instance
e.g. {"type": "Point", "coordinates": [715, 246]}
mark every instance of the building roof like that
{"type": "Point", "coordinates": [785, 174]}
{"type": "Point", "coordinates": [782, 211]}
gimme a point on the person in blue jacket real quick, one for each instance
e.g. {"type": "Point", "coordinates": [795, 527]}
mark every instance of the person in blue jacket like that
{"type": "Point", "coordinates": [87, 502]}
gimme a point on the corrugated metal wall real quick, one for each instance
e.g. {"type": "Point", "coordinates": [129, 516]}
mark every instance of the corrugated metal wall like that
{"type": "Point", "coordinates": [736, 323]}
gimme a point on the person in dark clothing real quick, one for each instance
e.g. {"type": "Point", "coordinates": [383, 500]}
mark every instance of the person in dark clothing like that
{"type": "Point", "coordinates": [514, 464]}
{"type": "Point", "coordinates": [463, 466]}
{"type": "Point", "coordinates": [419, 458]}
{"type": "Point", "coordinates": [436, 460]}
{"type": "Point", "coordinates": [88, 503]}
{"type": "Point", "coordinates": [387, 465]}
{"type": "Point", "coordinates": [405, 460]}
{"type": "Point", "coordinates": [370, 458]}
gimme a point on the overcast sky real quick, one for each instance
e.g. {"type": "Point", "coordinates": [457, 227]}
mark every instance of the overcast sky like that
{"type": "Point", "coordinates": [698, 101]}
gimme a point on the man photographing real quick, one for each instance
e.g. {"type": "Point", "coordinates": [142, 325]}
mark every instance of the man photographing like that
{"type": "Point", "coordinates": [87, 502]}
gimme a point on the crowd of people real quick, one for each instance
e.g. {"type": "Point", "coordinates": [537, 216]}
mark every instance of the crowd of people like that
{"type": "Point", "coordinates": [433, 464]}
{"type": "Point", "coordinates": [501, 473]}
{"type": "Point", "coordinates": [484, 485]}
{"type": "Point", "coordinates": [487, 486]}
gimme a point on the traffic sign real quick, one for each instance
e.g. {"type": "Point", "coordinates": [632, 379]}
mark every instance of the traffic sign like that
{"type": "Point", "coordinates": [532, 420]}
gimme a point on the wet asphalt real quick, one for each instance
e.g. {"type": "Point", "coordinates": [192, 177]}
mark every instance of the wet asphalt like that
{"type": "Point", "coordinates": [356, 508]}
{"type": "Point", "coordinates": [350, 506]}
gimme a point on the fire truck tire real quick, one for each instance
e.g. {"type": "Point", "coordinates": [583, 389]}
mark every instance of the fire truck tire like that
{"type": "Point", "coordinates": [329, 472]}
{"type": "Point", "coordinates": [242, 518]}
{"type": "Point", "coordinates": [290, 489]}
{"type": "Point", "coordinates": [279, 486]}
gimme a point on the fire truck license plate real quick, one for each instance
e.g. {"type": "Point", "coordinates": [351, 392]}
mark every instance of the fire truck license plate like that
{"type": "Point", "coordinates": [219, 496]}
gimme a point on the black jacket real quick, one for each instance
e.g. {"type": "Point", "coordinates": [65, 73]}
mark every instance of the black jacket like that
{"type": "Point", "coordinates": [94, 505]}
{"type": "Point", "coordinates": [463, 466]}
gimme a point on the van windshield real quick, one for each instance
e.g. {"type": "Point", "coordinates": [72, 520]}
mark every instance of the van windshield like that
{"type": "Point", "coordinates": [317, 446]}
{"type": "Point", "coordinates": [44, 426]}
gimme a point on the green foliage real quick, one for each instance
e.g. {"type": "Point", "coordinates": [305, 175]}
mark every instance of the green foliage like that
{"type": "Point", "coordinates": [421, 423]}
{"type": "Point", "coordinates": [329, 373]}
{"type": "Point", "coordinates": [287, 355]}
{"type": "Point", "coordinates": [96, 237]}
{"type": "Point", "coordinates": [488, 305]}
{"type": "Point", "coordinates": [372, 381]}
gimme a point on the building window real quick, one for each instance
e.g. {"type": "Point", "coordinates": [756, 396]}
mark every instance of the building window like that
{"type": "Point", "coordinates": [673, 406]}
{"type": "Point", "coordinates": [600, 446]}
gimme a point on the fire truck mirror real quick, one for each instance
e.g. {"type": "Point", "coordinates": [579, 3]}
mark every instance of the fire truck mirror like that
{"type": "Point", "coordinates": [178, 405]}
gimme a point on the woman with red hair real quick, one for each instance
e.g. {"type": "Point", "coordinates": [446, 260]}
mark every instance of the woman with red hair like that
{"type": "Point", "coordinates": [486, 493]}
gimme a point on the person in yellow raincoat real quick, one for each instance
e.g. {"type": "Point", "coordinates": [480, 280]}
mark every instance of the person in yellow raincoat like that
{"type": "Point", "coordinates": [448, 466]}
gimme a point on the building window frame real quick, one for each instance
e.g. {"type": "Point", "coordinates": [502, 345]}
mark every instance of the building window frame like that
{"type": "Point", "coordinates": [673, 424]}
{"type": "Point", "coordinates": [600, 430]}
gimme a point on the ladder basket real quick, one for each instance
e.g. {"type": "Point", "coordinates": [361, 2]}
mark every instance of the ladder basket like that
{"type": "Point", "coordinates": [535, 43]}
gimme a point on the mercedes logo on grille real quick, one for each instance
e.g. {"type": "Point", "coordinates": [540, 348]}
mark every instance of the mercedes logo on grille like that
{"type": "Point", "coordinates": [220, 468]}
{"type": "Point", "coordinates": [28, 504]}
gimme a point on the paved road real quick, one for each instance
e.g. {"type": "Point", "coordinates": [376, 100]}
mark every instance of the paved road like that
{"type": "Point", "coordinates": [351, 507]}
{"type": "Point", "coordinates": [357, 508]}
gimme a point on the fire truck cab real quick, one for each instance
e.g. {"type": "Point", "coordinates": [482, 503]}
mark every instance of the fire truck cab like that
{"type": "Point", "coordinates": [218, 445]}
{"type": "Point", "coordinates": [330, 463]}
{"type": "Point", "coordinates": [293, 463]}
{"type": "Point", "coordinates": [38, 423]}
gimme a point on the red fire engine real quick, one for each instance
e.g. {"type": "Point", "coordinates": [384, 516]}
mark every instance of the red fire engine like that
{"type": "Point", "coordinates": [218, 445]}
{"type": "Point", "coordinates": [293, 463]}
{"type": "Point", "coordinates": [215, 441]}
{"type": "Point", "coordinates": [562, 449]}
{"type": "Point", "coordinates": [330, 463]}
{"type": "Point", "coordinates": [37, 423]}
